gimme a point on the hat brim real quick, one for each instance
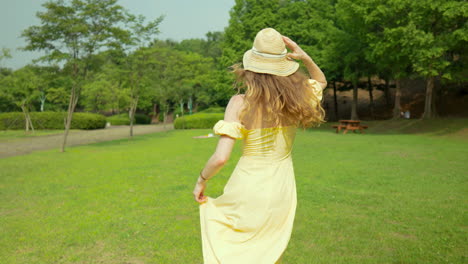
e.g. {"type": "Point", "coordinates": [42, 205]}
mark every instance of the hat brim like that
{"type": "Point", "coordinates": [276, 66]}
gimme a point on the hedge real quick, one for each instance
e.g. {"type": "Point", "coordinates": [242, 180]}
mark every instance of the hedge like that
{"type": "Point", "coordinates": [199, 120]}
{"type": "Point", "coordinates": [214, 109]}
{"type": "Point", "coordinates": [52, 120]}
{"type": "Point", "coordinates": [124, 119]}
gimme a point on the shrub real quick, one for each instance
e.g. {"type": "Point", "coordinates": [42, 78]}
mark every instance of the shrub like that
{"type": "Point", "coordinates": [214, 109]}
{"type": "Point", "coordinates": [52, 120]}
{"type": "Point", "coordinates": [178, 112]}
{"type": "Point", "coordinates": [142, 119]}
{"type": "Point", "coordinates": [161, 117]}
{"type": "Point", "coordinates": [118, 120]}
{"type": "Point", "coordinates": [199, 120]}
{"type": "Point", "coordinates": [123, 119]}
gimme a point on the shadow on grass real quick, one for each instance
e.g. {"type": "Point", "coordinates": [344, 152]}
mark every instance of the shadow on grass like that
{"type": "Point", "coordinates": [434, 127]}
{"type": "Point", "coordinates": [130, 140]}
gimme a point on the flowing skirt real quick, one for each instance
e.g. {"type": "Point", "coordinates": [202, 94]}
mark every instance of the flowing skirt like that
{"type": "Point", "coordinates": [252, 221]}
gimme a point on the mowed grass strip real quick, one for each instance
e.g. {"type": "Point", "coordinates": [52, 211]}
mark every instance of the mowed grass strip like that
{"type": "Point", "coordinates": [361, 199]}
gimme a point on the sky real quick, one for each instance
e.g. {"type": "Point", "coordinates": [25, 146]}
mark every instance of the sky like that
{"type": "Point", "coordinates": [184, 19]}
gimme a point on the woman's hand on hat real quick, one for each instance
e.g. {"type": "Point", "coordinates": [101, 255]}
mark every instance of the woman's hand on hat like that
{"type": "Point", "coordinates": [296, 52]}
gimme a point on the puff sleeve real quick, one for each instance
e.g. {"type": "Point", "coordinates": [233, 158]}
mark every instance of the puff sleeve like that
{"type": "Point", "coordinates": [227, 128]}
{"type": "Point", "coordinates": [316, 88]}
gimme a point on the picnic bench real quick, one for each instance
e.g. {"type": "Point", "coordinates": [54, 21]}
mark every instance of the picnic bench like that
{"type": "Point", "coordinates": [350, 125]}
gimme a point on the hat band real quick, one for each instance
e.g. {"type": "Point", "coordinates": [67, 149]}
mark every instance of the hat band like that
{"type": "Point", "coordinates": [267, 55]}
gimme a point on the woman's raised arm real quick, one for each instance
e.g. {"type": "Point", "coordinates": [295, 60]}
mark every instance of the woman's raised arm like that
{"type": "Point", "coordinates": [299, 54]}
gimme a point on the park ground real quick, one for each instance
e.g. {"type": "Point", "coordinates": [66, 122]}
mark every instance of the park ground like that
{"type": "Point", "coordinates": [396, 194]}
{"type": "Point", "coordinates": [14, 143]}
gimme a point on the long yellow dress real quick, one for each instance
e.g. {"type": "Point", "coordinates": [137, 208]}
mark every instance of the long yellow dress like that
{"type": "Point", "coordinates": [252, 221]}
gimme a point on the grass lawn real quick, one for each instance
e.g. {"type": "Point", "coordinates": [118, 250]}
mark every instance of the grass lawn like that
{"type": "Point", "coordinates": [372, 198]}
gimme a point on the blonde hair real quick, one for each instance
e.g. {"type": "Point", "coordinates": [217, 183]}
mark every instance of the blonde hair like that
{"type": "Point", "coordinates": [282, 100]}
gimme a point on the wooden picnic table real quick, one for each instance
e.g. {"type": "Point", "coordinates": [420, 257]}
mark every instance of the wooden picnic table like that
{"type": "Point", "coordinates": [350, 125]}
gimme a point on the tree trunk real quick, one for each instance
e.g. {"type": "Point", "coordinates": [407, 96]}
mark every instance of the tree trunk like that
{"type": "Point", "coordinates": [130, 114]}
{"type": "Point", "coordinates": [26, 123]}
{"type": "Point", "coordinates": [354, 115]}
{"type": "Point", "coordinates": [190, 104]}
{"type": "Point", "coordinates": [71, 108]}
{"type": "Point", "coordinates": [397, 106]}
{"type": "Point", "coordinates": [437, 93]}
{"type": "Point", "coordinates": [428, 105]}
{"type": "Point", "coordinates": [155, 115]}
{"type": "Point", "coordinates": [133, 107]}
{"type": "Point", "coordinates": [166, 111]}
{"type": "Point", "coordinates": [29, 120]}
{"type": "Point", "coordinates": [181, 102]}
{"type": "Point", "coordinates": [371, 97]}
{"type": "Point", "coordinates": [387, 91]}
{"type": "Point", "coordinates": [43, 99]}
{"type": "Point", "coordinates": [335, 101]}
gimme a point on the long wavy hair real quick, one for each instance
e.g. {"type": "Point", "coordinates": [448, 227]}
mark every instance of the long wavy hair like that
{"type": "Point", "coordinates": [281, 100]}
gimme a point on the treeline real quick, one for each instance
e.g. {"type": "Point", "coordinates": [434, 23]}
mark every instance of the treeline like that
{"type": "Point", "coordinates": [353, 40]}
{"type": "Point", "coordinates": [112, 62]}
{"type": "Point", "coordinates": [101, 58]}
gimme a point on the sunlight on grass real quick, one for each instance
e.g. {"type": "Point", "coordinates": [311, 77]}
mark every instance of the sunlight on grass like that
{"type": "Point", "coordinates": [361, 199]}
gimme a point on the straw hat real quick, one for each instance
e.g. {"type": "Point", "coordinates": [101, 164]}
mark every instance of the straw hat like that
{"type": "Point", "coordinates": [268, 55]}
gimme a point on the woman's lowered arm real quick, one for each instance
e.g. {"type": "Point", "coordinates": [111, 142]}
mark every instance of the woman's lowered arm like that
{"type": "Point", "coordinates": [222, 152]}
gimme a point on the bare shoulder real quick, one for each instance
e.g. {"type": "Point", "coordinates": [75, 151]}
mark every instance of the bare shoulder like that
{"type": "Point", "coordinates": [236, 100]}
{"type": "Point", "coordinates": [233, 108]}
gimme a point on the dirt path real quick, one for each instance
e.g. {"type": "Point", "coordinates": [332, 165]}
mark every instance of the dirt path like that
{"type": "Point", "coordinates": [30, 144]}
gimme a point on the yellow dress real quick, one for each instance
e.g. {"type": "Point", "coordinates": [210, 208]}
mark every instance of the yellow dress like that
{"type": "Point", "coordinates": [252, 221]}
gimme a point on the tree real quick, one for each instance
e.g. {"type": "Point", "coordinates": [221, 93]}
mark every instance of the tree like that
{"type": "Point", "coordinates": [176, 76]}
{"type": "Point", "coordinates": [100, 94]}
{"type": "Point", "coordinates": [46, 76]}
{"type": "Point", "coordinates": [247, 17]}
{"type": "Point", "coordinates": [211, 83]}
{"type": "Point", "coordinates": [437, 28]}
{"type": "Point", "coordinates": [5, 104]}
{"type": "Point", "coordinates": [352, 45]}
{"type": "Point", "coordinates": [421, 36]}
{"type": "Point", "coordinates": [209, 47]}
{"type": "Point", "coordinates": [137, 63]}
{"type": "Point", "coordinates": [106, 90]}
{"type": "Point", "coordinates": [22, 89]}
{"type": "Point", "coordinates": [72, 32]}
{"type": "Point", "coordinates": [5, 54]}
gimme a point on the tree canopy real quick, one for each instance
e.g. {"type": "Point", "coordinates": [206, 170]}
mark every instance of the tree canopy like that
{"type": "Point", "coordinates": [115, 62]}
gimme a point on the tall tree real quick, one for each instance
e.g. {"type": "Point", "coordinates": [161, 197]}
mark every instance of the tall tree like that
{"type": "Point", "coordinates": [437, 28]}
{"type": "Point", "coordinates": [22, 88]}
{"type": "Point", "coordinates": [389, 36]}
{"type": "Point", "coordinates": [352, 44]}
{"type": "Point", "coordinates": [247, 17]}
{"type": "Point", "coordinates": [138, 59]}
{"type": "Point", "coordinates": [72, 32]}
{"type": "Point", "coordinates": [5, 103]}
{"type": "Point", "coordinates": [106, 90]}
{"type": "Point", "coordinates": [421, 36]}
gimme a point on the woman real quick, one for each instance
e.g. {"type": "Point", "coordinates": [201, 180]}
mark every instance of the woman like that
{"type": "Point", "coordinates": [251, 222]}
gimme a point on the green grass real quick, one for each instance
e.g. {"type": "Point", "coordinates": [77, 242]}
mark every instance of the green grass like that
{"type": "Point", "coordinates": [373, 198]}
{"type": "Point", "coordinates": [10, 135]}
{"type": "Point", "coordinates": [436, 126]}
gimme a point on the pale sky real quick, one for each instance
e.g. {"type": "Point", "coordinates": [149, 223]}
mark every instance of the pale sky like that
{"type": "Point", "coordinates": [183, 19]}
